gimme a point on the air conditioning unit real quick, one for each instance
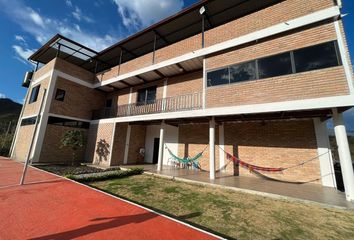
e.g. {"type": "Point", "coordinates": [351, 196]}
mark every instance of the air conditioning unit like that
{"type": "Point", "coordinates": [27, 80]}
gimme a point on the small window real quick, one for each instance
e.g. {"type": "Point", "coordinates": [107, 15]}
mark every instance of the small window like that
{"type": "Point", "coordinates": [109, 103]}
{"type": "Point", "coordinates": [146, 96]}
{"type": "Point", "coordinates": [316, 57]}
{"type": "Point", "coordinates": [275, 66]}
{"type": "Point", "coordinates": [218, 77]}
{"type": "Point", "coordinates": [60, 95]}
{"type": "Point", "coordinates": [34, 94]}
{"type": "Point", "coordinates": [28, 121]}
{"type": "Point", "coordinates": [243, 72]}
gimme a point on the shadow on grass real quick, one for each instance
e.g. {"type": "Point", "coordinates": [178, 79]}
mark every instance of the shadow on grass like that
{"type": "Point", "coordinates": [181, 218]}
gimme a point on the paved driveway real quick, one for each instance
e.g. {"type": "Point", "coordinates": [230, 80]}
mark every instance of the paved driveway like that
{"type": "Point", "coordinates": [50, 207]}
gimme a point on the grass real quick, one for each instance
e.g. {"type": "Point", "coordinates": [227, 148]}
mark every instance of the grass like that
{"type": "Point", "coordinates": [233, 214]}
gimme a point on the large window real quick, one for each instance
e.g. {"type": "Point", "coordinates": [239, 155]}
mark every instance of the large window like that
{"type": "Point", "coordinates": [146, 96]}
{"type": "Point", "coordinates": [34, 94]}
{"type": "Point", "coordinates": [275, 65]}
{"type": "Point", "coordinates": [243, 72]}
{"type": "Point", "coordinates": [68, 122]}
{"type": "Point", "coordinates": [316, 57]}
{"type": "Point", "coordinates": [28, 121]}
{"type": "Point", "coordinates": [218, 77]}
{"type": "Point", "coordinates": [311, 58]}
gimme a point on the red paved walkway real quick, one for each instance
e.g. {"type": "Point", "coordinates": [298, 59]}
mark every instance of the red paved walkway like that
{"type": "Point", "coordinates": [55, 208]}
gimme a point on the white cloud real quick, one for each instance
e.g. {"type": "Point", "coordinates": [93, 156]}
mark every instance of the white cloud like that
{"type": "Point", "coordinates": [142, 13]}
{"type": "Point", "coordinates": [22, 54]}
{"type": "Point", "coordinates": [20, 38]}
{"type": "Point", "coordinates": [2, 95]}
{"type": "Point", "coordinates": [78, 15]}
{"type": "Point", "coordinates": [68, 3]}
{"type": "Point", "coordinates": [42, 28]}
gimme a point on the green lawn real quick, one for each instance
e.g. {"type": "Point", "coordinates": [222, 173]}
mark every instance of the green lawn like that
{"type": "Point", "coordinates": [233, 214]}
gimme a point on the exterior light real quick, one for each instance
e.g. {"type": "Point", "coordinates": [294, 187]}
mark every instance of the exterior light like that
{"type": "Point", "coordinates": [202, 10]}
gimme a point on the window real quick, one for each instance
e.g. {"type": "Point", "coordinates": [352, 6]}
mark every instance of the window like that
{"type": "Point", "coordinates": [68, 122]}
{"type": "Point", "coordinates": [34, 94]}
{"type": "Point", "coordinates": [316, 57]}
{"type": "Point", "coordinates": [60, 95]}
{"type": "Point", "coordinates": [275, 65]}
{"type": "Point", "coordinates": [28, 121]}
{"type": "Point", "coordinates": [146, 96]}
{"type": "Point", "coordinates": [218, 77]}
{"type": "Point", "coordinates": [109, 103]}
{"type": "Point", "coordinates": [243, 72]}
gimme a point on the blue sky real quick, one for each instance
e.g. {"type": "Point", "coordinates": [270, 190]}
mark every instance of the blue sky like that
{"type": "Point", "coordinates": [26, 25]}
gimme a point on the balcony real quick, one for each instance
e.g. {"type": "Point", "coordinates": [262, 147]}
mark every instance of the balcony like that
{"type": "Point", "coordinates": [171, 104]}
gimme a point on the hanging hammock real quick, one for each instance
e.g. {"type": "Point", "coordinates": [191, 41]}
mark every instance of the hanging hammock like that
{"type": "Point", "coordinates": [187, 160]}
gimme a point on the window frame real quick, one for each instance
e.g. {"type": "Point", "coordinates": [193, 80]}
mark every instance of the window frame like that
{"type": "Point", "coordinates": [34, 94]}
{"type": "Point", "coordinates": [146, 95]}
{"type": "Point", "coordinates": [56, 95]}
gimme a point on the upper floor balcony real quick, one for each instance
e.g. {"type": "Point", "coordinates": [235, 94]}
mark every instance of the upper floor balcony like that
{"type": "Point", "coordinates": [170, 104]}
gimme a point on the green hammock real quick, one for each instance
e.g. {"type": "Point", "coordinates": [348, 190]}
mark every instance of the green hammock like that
{"type": "Point", "coordinates": [185, 160]}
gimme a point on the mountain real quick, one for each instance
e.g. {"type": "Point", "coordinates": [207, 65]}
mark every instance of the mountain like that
{"type": "Point", "coordinates": [9, 110]}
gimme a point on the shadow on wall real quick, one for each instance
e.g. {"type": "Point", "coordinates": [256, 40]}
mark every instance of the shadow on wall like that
{"type": "Point", "coordinates": [102, 151]}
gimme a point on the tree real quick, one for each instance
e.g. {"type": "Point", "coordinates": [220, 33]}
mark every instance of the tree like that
{"type": "Point", "coordinates": [73, 139]}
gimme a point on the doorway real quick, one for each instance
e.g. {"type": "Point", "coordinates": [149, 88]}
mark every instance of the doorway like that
{"type": "Point", "coordinates": [155, 155]}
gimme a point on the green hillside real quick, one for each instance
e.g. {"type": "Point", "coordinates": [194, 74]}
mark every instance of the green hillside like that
{"type": "Point", "coordinates": [9, 114]}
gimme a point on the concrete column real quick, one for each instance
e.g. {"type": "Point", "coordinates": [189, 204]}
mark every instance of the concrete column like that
{"type": "Point", "coordinates": [344, 154]}
{"type": "Point", "coordinates": [212, 148]}
{"type": "Point", "coordinates": [325, 154]}
{"type": "Point", "coordinates": [222, 145]}
{"type": "Point", "coordinates": [160, 159]}
{"type": "Point", "coordinates": [127, 140]}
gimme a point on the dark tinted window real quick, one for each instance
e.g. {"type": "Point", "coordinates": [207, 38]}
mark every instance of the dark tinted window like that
{"type": "Point", "coordinates": [28, 121]}
{"type": "Point", "coordinates": [218, 77]}
{"type": "Point", "coordinates": [68, 122]}
{"type": "Point", "coordinates": [316, 57]}
{"type": "Point", "coordinates": [108, 103]}
{"type": "Point", "coordinates": [60, 95]}
{"type": "Point", "coordinates": [34, 94]}
{"type": "Point", "coordinates": [243, 72]}
{"type": "Point", "coordinates": [146, 96]}
{"type": "Point", "coordinates": [274, 66]}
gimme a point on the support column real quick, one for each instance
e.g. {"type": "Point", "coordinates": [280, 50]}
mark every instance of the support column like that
{"type": "Point", "coordinates": [127, 140]}
{"type": "Point", "coordinates": [344, 154]}
{"type": "Point", "coordinates": [160, 159]}
{"type": "Point", "coordinates": [325, 154]}
{"type": "Point", "coordinates": [222, 146]}
{"type": "Point", "coordinates": [212, 148]}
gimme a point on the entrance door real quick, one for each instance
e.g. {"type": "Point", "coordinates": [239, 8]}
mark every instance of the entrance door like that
{"type": "Point", "coordinates": [155, 155]}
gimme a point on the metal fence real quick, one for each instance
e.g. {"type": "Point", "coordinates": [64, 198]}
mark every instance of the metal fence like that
{"type": "Point", "coordinates": [171, 104]}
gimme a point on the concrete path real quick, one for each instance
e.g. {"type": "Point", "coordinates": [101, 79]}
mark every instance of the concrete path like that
{"type": "Point", "coordinates": [50, 207]}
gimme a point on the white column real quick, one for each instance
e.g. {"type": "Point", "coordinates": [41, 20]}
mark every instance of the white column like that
{"type": "Point", "coordinates": [325, 154]}
{"type": "Point", "coordinates": [344, 154]}
{"type": "Point", "coordinates": [222, 145]}
{"type": "Point", "coordinates": [160, 159]}
{"type": "Point", "coordinates": [212, 148]}
{"type": "Point", "coordinates": [127, 140]}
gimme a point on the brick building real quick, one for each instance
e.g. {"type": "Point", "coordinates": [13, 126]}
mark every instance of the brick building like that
{"type": "Point", "coordinates": [256, 79]}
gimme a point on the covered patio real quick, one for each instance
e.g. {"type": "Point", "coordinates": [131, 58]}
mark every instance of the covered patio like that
{"type": "Point", "coordinates": [307, 192]}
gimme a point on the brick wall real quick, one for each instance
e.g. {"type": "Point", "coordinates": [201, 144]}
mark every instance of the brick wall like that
{"type": "Point", "coordinates": [44, 69]}
{"type": "Point", "coordinates": [275, 144]}
{"type": "Point", "coordinates": [101, 143]}
{"type": "Point", "coordinates": [119, 144]}
{"type": "Point", "coordinates": [33, 108]}
{"type": "Point", "coordinates": [137, 141]}
{"type": "Point", "coordinates": [79, 100]}
{"type": "Point", "coordinates": [313, 84]}
{"type": "Point", "coordinates": [271, 144]}
{"type": "Point", "coordinates": [73, 70]}
{"type": "Point", "coordinates": [185, 84]}
{"type": "Point", "coordinates": [264, 18]}
{"type": "Point", "coordinates": [52, 152]}
{"type": "Point", "coordinates": [23, 141]}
